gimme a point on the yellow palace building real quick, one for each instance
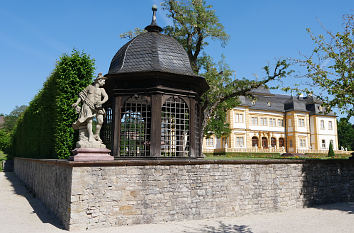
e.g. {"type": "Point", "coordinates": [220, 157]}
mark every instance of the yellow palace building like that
{"type": "Point", "coordinates": [277, 123]}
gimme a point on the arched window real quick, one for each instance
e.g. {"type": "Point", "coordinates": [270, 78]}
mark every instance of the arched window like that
{"type": "Point", "coordinates": [135, 127]}
{"type": "Point", "coordinates": [273, 142]}
{"type": "Point", "coordinates": [254, 141]}
{"type": "Point", "coordinates": [281, 142]}
{"type": "Point", "coordinates": [264, 142]}
{"type": "Point", "coordinates": [174, 128]}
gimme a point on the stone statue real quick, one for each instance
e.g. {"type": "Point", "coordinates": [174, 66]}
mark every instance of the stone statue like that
{"type": "Point", "coordinates": [92, 99]}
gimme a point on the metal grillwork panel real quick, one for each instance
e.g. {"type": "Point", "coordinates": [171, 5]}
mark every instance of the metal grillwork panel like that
{"type": "Point", "coordinates": [175, 128]}
{"type": "Point", "coordinates": [135, 128]}
{"type": "Point", "coordinates": [106, 132]}
{"type": "Point", "coordinates": [197, 132]}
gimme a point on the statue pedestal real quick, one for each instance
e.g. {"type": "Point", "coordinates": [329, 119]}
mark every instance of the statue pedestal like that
{"type": "Point", "coordinates": [91, 154]}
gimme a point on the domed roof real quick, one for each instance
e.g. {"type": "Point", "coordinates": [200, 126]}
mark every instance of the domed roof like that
{"type": "Point", "coordinates": [151, 51]}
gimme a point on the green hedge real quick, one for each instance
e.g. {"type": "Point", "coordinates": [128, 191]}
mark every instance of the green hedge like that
{"type": "Point", "coordinates": [44, 130]}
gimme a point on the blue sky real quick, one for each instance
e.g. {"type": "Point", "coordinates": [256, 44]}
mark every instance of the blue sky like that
{"type": "Point", "coordinates": [34, 34]}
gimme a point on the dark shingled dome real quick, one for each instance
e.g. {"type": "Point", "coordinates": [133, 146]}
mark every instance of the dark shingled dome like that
{"type": "Point", "coordinates": [151, 51]}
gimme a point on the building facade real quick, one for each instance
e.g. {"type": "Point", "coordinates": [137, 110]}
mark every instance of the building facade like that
{"type": "Point", "coordinates": [277, 123]}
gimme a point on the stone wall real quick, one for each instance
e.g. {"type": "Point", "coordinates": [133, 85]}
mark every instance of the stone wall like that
{"type": "Point", "coordinates": [134, 192]}
{"type": "Point", "coordinates": [49, 182]}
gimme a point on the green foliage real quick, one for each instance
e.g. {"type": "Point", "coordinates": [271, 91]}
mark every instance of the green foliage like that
{"type": "Point", "coordinates": [44, 130]}
{"type": "Point", "coordinates": [11, 119]}
{"type": "Point", "coordinates": [194, 22]}
{"type": "Point", "coordinates": [330, 68]}
{"type": "Point", "coordinates": [330, 150]}
{"type": "Point", "coordinates": [345, 134]}
{"type": "Point", "coordinates": [5, 141]}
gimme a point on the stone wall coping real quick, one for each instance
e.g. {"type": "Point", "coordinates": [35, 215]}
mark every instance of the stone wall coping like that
{"type": "Point", "coordinates": [169, 162]}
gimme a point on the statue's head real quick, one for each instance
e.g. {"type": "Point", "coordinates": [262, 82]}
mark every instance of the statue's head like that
{"type": "Point", "coordinates": [100, 79]}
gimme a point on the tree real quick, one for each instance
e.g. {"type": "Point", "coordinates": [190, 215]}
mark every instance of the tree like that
{"type": "Point", "coordinates": [345, 134]}
{"type": "Point", "coordinates": [11, 119]}
{"type": "Point", "coordinates": [6, 131]}
{"type": "Point", "coordinates": [194, 24]}
{"type": "Point", "coordinates": [330, 150]}
{"type": "Point", "coordinates": [330, 67]}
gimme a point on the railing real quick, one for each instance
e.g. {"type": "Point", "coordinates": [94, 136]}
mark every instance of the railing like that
{"type": "Point", "coordinates": [256, 149]}
{"type": "Point", "coordinates": [249, 150]}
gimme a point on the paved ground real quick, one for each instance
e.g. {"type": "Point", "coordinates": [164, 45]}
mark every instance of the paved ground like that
{"type": "Point", "coordinates": [20, 212]}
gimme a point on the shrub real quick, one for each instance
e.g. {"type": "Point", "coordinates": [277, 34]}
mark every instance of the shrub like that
{"type": "Point", "coordinates": [330, 150]}
{"type": "Point", "coordinates": [44, 130]}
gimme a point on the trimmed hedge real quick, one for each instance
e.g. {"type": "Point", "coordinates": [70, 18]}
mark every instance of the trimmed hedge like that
{"type": "Point", "coordinates": [44, 130]}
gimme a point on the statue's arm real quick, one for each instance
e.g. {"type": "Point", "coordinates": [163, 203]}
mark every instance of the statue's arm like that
{"type": "Point", "coordinates": [105, 96]}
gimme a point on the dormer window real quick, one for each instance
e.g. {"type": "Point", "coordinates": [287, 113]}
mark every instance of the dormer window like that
{"type": "Point", "coordinates": [253, 102]}
{"type": "Point", "coordinates": [268, 103]}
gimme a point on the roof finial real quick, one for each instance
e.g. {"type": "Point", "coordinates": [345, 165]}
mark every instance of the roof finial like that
{"type": "Point", "coordinates": [153, 27]}
{"type": "Point", "coordinates": [154, 9]}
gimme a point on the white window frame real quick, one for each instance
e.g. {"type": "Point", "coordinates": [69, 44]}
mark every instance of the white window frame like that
{"type": "Point", "coordinates": [302, 142]}
{"type": "Point", "coordinates": [264, 121]}
{"type": "Point", "coordinates": [239, 141]}
{"type": "Point", "coordinates": [322, 125]}
{"type": "Point", "coordinates": [238, 117]}
{"type": "Point", "coordinates": [301, 122]}
{"type": "Point", "coordinates": [280, 122]}
{"type": "Point", "coordinates": [209, 142]}
{"type": "Point", "coordinates": [254, 120]}
{"type": "Point", "coordinates": [330, 125]}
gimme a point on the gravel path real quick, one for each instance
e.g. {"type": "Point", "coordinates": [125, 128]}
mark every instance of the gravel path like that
{"type": "Point", "coordinates": [20, 212]}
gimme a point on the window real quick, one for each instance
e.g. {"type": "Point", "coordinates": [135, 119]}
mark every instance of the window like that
{"type": "Point", "coordinates": [289, 123]}
{"type": "Point", "coordinates": [281, 142]}
{"type": "Point", "coordinates": [253, 102]}
{"type": "Point", "coordinates": [272, 122]}
{"type": "Point", "coordinates": [330, 125]}
{"type": "Point", "coordinates": [322, 124]}
{"type": "Point", "coordinates": [238, 118]}
{"type": "Point", "coordinates": [254, 141]}
{"type": "Point", "coordinates": [331, 141]}
{"type": "Point", "coordinates": [210, 142]}
{"type": "Point", "coordinates": [269, 104]}
{"type": "Point", "coordinates": [323, 143]}
{"type": "Point", "coordinates": [254, 120]}
{"type": "Point", "coordinates": [264, 121]}
{"type": "Point", "coordinates": [291, 143]}
{"type": "Point", "coordinates": [301, 122]}
{"type": "Point", "coordinates": [280, 122]}
{"type": "Point", "coordinates": [273, 142]}
{"type": "Point", "coordinates": [239, 142]}
{"type": "Point", "coordinates": [302, 142]}
{"type": "Point", "coordinates": [264, 142]}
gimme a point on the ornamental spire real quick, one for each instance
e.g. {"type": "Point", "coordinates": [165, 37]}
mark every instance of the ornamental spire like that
{"type": "Point", "coordinates": [153, 27]}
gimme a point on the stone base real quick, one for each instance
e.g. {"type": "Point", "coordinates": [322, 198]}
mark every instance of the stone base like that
{"type": "Point", "coordinates": [91, 154]}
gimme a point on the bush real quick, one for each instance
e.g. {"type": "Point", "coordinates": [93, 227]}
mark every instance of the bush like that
{"type": "Point", "coordinates": [330, 150]}
{"type": "Point", "coordinates": [44, 130]}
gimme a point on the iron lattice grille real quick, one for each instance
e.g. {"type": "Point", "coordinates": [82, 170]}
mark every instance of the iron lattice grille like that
{"type": "Point", "coordinates": [106, 132]}
{"type": "Point", "coordinates": [197, 131]}
{"type": "Point", "coordinates": [175, 128]}
{"type": "Point", "coordinates": [135, 128]}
